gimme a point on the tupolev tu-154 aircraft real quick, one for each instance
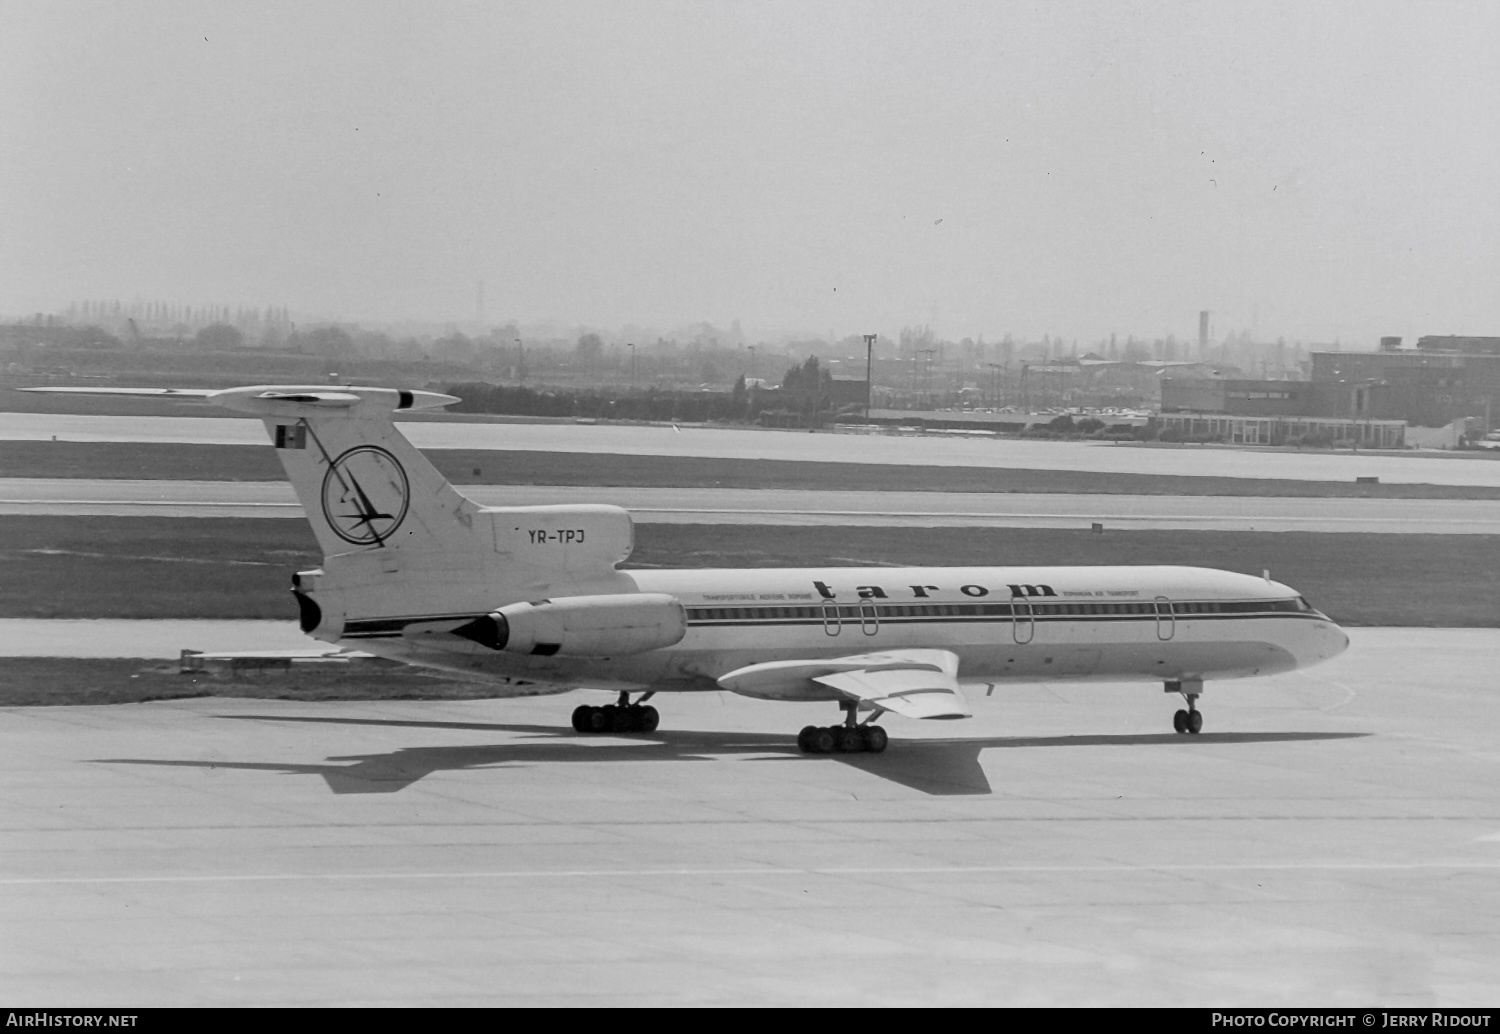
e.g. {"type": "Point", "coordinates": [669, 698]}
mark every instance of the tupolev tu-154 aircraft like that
{"type": "Point", "coordinates": [532, 598]}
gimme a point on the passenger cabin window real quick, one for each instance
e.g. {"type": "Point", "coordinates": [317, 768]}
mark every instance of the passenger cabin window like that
{"type": "Point", "coordinates": [853, 612]}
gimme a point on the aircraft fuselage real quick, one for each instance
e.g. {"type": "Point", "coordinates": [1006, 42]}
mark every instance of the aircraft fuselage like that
{"type": "Point", "coordinates": [1004, 623]}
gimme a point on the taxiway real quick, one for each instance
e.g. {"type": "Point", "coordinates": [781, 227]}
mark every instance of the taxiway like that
{"type": "Point", "coordinates": [745, 443]}
{"type": "Point", "coordinates": [79, 496]}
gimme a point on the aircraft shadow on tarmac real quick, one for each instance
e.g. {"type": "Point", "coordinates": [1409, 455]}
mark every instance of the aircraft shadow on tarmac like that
{"type": "Point", "coordinates": [940, 767]}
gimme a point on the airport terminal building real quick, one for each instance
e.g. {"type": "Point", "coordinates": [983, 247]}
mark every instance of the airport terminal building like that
{"type": "Point", "coordinates": [1245, 412]}
{"type": "Point", "coordinates": [1367, 399]}
{"type": "Point", "coordinates": [1286, 430]}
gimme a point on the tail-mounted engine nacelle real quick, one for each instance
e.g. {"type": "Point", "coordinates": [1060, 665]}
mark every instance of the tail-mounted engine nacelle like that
{"type": "Point", "coordinates": [313, 618]}
{"type": "Point", "coordinates": [582, 626]}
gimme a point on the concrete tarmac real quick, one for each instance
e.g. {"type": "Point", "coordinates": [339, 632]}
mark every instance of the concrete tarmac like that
{"type": "Point", "coordinates": [749, 443]}
{"type": "Point", "coordinates": [1331, 839]}
{"type": "Point", "coordinates": [78, 496]}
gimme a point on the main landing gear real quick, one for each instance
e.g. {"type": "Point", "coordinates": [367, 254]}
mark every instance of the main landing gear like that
{"type": "Point", "coordinates": [621, 717]}
{"type": "Point", "coordinates": [1189, 720]}
{"type": "Point", "coordinates": [849, 738]}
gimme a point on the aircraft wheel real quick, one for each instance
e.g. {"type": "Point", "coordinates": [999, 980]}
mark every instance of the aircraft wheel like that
{"type": "Point", "coordinates": [805, 739]}
{"type": "Point", "coordinates": [648, 719]}
{"type": "Point", "coordinates": [581, 717]}
{"type": "Point", "coordinates": [1195, 722]}
{"type": "Point", "coordinates": [851, 741]}
{"type": "Point", "coordinates": [600, 719]}
{"type": "Point", "coordinates": [875, 739]}
{"type": "Point", "coordinates": [1180, 721]}
{"type": "Point", "coordinates": [823, 741]}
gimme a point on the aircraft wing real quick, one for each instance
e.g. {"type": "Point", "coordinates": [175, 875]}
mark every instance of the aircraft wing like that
{"type": "Point", "coordinates": [915, 692]}
{"type": "Point", "coordinates": [914, 683]}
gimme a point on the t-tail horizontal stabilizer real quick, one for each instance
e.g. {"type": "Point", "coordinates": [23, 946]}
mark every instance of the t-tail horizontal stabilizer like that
{"type": "Point", "coordinates": [363, 486]}
{"type": "Point", "coordinates": [274, 399]}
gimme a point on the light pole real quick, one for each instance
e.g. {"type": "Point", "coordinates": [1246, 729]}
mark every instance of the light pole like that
{"type": "Point", "coordinates": [631, 346]}
{"type": "Point", "coordinates": [927, 354]}
{"type": "Point", "coordinates": [869, 372]}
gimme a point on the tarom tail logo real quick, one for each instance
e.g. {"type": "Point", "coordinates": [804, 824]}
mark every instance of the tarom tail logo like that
{"type": "Point", "coordinates": [365, 495]}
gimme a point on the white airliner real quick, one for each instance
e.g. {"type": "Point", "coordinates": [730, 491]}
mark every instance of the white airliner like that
{"type": "Point", "coordinates": [532, 599]}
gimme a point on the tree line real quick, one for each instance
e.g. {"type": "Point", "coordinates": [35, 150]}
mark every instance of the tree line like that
{"type": "Point", "coordinates": [802, 400]}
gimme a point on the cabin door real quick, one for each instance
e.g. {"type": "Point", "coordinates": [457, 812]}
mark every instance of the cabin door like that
{"type": "Point", "coordinates": [831, 625]}
{"type": "Point", "coordinates": [1023, 620]}
{"type": "Point", "coordinates": [869, 620]}
{"type": "Point", "coordinates": [1166, 619]}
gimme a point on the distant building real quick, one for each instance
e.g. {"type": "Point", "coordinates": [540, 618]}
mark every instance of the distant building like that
{"type": "Point", "coordinates": [1427, 387]}
{"type": "Point", "coordinates": [845, 391]}
{"type": "Point", "coordinates": [1248, 412]}
{"type": "Point", "coordinates": [17, 335]}
{"type": "Point", "coordinates": [1285, 430]}
{"type": "Point", "coordinates": [1238, 397]}
{"type": "Point", "coordinates": [1459, 343]}
{"type": "Point", "coordinates": [1442, 380]}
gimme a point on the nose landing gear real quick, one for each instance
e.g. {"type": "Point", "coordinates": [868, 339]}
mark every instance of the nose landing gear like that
{"type": "Point", "coordinates": [621, 717]}
{"type": "Point", "coordinates": [1189, 720]}
{"type": "Point", "coordinates": [849, 738]}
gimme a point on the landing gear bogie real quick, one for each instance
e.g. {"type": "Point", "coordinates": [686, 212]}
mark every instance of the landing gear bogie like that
{"type": "Point", "coordinates": [616, 718]}
{"type": "Point", "coordinates": [849, 738]}
{"type": "Point", "coordinates": [843, 739]}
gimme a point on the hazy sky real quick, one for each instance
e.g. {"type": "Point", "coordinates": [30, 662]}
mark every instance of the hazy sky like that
{"type": "Point", "coordinates": [1314, 169]}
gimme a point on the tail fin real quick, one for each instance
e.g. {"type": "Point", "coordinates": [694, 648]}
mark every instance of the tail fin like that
{"type": "Point", "coordinates": [399, 542]}
{"type": "Point", "coordinates": [362, 485]}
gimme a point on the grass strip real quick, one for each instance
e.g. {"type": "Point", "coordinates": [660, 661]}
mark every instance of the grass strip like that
{"type": "Point", "coordinates": [185, 462]}
{"type": "Point", "coordinates": [166, 567]}
{"type": "Point", "coordinates": [33, 681]}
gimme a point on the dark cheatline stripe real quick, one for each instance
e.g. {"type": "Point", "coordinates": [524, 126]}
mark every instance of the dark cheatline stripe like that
{"type": "Point", "coordinates": [954, 620]}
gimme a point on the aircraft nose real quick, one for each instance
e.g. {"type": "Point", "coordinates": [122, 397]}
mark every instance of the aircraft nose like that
{"type": "Point", "coordinates": [1331, 641]}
